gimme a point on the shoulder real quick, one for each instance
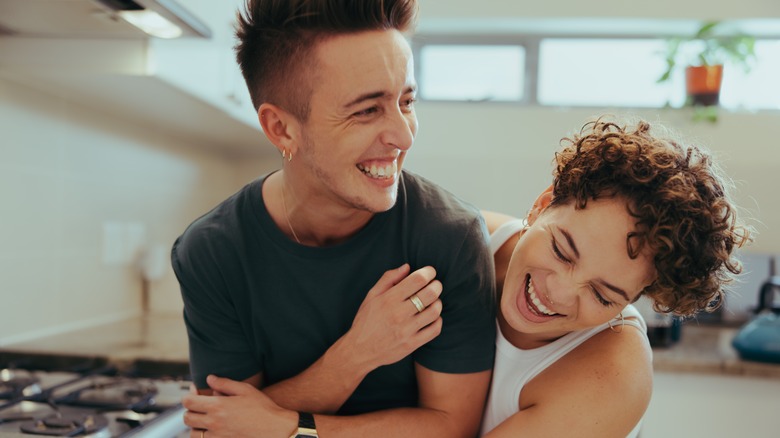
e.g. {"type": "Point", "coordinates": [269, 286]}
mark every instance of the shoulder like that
{"type": "Point", "coordinates": [218, 229]}
{"type": "Point", "coordinates": [436, 204]}
{"type": "Point", "coordinates": [494, 219]}
{"type": "Point", "coordinates": [439, 220]}
{"type": "Point", "coordinates": [608, 362]}
{"type": "Point", "coordinates": [605, 383]}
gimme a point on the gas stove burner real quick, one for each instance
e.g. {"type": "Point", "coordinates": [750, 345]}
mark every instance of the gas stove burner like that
{"type": "Point", "coordinates": [17, 383]}
{"type": "Point", "coordinates": [113, 394]}
{"type": "Point", "coordinates": [67, 425]}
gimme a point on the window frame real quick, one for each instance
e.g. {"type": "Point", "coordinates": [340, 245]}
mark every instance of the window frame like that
{"type": "Point", "coordinates": [528, 44]}
{"type": "Point", "coordinates": [531, 42]}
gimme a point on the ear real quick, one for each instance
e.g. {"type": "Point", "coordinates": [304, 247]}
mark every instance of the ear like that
{"type": "Point", "coordinates": [281, 127]}
{"type": "Point", "coordinates": [541, 203]}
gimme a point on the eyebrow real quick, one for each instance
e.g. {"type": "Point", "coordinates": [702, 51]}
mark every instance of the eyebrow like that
{"type": "Point", "coordinates": [615, 289]}
{"type": "Point", "coordinates": [571, 242]}
{"type": "Point", "coordinates": [365, 97]}
{"type": "Point", "coordinates": [375, 95]}
{"type": "Point", "coordinates": [574, 249]}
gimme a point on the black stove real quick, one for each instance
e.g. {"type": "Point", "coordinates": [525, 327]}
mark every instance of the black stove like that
{"type": "Point", "coordinates": [72, 396]}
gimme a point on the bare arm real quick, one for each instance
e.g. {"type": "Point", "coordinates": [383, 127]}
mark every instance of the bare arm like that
{"type": "Point", "coordinates": [601, 389]}
{"type": "Point", "coordinates": [450, 405]}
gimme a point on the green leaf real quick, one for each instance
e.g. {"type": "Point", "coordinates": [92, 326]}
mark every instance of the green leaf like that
{"type": "Point", "coordinates": [706, 30]}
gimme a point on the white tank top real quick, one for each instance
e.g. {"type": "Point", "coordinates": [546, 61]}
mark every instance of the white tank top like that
{"type": "Point", "coordinates": [515, 367]}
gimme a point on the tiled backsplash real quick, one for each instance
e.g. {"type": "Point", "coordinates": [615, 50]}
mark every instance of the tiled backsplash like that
{"type": "Point", "coordinates": [66, 171]}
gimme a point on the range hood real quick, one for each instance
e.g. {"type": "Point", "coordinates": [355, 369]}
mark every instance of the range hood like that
{"type": "Point", "coordinates": [93, 18]}
{"type": "Point", "coordinates": [189, 88]}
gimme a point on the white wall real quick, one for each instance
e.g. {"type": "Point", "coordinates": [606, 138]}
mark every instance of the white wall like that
{"type": "Point", "coordinates": [694, 9]}
{"type": "Point", "coordinates": [499, 156]}
{"type": "Point", "coordinates": [65, 171]}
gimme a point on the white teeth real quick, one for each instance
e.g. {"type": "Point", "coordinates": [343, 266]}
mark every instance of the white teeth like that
{"type": "Point", "coordinates": [535, 299]}
{"type": "Point", "coordinates": [379, 172]}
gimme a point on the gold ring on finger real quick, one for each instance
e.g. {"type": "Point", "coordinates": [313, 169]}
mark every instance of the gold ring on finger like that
{"type": "Point", "coordinates": [418, 304]}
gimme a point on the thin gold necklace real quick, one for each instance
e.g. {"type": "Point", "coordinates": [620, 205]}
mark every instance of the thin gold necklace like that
{"type": "Point", "coordinates": [287, 217]}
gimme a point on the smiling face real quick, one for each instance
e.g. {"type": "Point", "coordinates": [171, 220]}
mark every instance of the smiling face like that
{"type": "Point", "coordinates": [362, 120]}
{"type": "Point", "coordinates": [570, 270]}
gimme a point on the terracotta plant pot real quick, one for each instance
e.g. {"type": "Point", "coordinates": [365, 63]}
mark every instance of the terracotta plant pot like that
{"type": "Point", "coordinates": [703, 84]}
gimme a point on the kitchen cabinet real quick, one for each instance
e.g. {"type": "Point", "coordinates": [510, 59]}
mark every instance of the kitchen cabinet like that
{"type": "Point", "coordinates": [206, 68]}
{"type": "Point", "coordinates": [188, 87]}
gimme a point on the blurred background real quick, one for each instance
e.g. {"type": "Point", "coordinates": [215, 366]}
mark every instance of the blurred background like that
{"type": "Point", "coordinates": [113, 140]}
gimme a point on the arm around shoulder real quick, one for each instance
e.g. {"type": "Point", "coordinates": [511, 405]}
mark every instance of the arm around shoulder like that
{"type": "Point", "coordinates": [450, 405]}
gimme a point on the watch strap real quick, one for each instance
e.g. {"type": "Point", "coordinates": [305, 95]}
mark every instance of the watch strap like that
{"type": "Point", "coordinates": [306, 427]}
{"type": "Point", "coordinates": [306, 420]}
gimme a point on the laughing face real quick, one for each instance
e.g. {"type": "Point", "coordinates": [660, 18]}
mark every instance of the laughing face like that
{"type": "Point", "coordinates": [362, 120]}
{"type": "Point", "coordinates": [571, 270]}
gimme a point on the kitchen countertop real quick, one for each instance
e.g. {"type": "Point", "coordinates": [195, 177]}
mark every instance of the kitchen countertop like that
{"type": "Point", "coordinates": [701, 349]}
{"type": "Point", "coordinates": [159, 337]}
{"type": "Point", "coordinates": [707, 349]}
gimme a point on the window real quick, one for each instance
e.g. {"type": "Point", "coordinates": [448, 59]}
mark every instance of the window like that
{"type": "Point", "coordinates": [591, 72]}
{"type": "Point", "coordinates": [759, 88]}
{"type": "Point", "coordinates": [601, 72]}
{"type": "Point", "coordinates": [472, 72]}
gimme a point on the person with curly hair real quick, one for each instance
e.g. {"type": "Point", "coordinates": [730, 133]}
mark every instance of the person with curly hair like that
{"type": "Point", "coordinates": [629, 213]}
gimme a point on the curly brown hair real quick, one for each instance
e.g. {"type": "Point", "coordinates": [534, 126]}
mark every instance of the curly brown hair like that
{"type": "Point", "coordinates": [677, 193]}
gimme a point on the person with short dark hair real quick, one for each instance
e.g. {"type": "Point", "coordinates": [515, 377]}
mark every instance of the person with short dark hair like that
{"type": "Point", "coordinates": [341, 285]}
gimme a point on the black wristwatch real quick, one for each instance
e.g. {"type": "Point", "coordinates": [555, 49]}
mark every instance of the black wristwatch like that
{"type": "Point", "coordinates": [306, 427]}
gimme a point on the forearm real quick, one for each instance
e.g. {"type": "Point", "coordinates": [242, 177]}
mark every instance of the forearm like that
{"type": "Point", "coordinates": [451, 405]}
{"type": "Point", "coordinates": [405, 422]}
{"type": "Point", "coordinates": [325, 385]}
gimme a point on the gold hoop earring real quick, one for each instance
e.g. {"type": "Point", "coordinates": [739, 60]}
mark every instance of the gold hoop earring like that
{"type": "Point", "coordinates": [287, 155]}
{"type": "Point", "coordinates": [622, 324]}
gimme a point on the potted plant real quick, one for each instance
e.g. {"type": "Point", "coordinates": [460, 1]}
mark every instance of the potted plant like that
{"type": "Point", "coordinates": [703, 56]}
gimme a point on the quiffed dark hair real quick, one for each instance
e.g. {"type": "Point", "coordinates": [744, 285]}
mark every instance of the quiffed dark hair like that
{"type": "Point", "coordinates": [276, 38]}
{"type": "Point", "coordinates": [679, 197]}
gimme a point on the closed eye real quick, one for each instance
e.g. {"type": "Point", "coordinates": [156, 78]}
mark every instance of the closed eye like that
{"type": "Point", "coordinates": [366, 112]}
{"type": "Point", "coordinates": [600, 298]}
{"type": "Point", "coordinates": [596, 294]}
{"type": "Point", "coordinates": [558, 252]}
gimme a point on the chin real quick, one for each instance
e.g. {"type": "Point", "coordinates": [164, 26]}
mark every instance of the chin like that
{"type": "Point", "coordinates": [382, 206]}
{"type": "Point", "coordinates": [378, 201]}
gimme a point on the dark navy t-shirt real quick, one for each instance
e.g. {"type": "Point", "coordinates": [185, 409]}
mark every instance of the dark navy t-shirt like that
{"type": "Point", "coordinates": [255, 301]}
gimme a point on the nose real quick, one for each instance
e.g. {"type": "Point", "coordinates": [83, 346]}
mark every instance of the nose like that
{"type": "Point", "coordinates": [399, 129]}
{"type": "Point", "coordinates": [561, 290]}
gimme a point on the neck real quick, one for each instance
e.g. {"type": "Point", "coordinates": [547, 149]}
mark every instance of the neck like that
{"type": "Point", "coordinates": [308, 218]}
{"type": "Point", "coordinates": [525, 341]}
